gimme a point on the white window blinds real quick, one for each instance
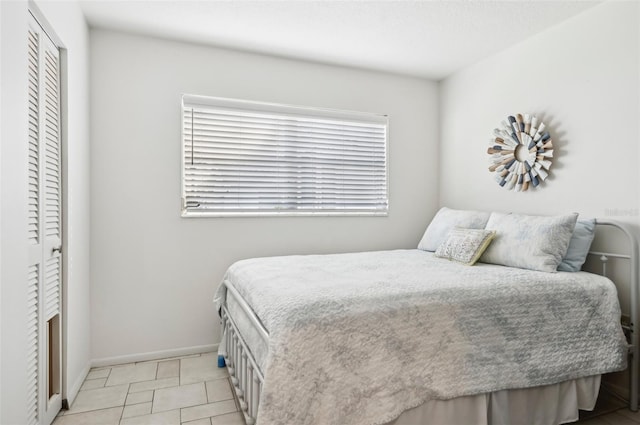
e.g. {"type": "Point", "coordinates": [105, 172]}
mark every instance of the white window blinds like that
{"type": "Point", "coordinates": [243, 157]}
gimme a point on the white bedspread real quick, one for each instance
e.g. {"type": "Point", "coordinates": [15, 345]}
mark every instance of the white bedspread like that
{"type": "Point", "coordinates": [359, 338]}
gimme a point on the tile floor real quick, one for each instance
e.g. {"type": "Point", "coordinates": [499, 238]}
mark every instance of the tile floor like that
{"type": "Point", "coordinates": [192, 390]}
{"type": "Point", "coordinates": [189, 390]}
{"type": "Point", "coordinates": [619, 417]}
{"type": "Point", "coordinates": [609, 410]}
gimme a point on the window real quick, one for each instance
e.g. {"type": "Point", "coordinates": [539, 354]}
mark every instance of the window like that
{"type": "Point", "coordinates": [250, 158]}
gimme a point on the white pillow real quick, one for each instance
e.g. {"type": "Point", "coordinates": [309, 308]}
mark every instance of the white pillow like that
{"type": "Point", "coordinates": [445, 220]}
{"type": "Point", "coordinates": [529, 241]}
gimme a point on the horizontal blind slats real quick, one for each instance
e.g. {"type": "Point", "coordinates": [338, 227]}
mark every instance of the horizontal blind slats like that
{"type": "Point", "coordinates": [244, 159]}
{"type": "Point", "coordinates": [240, 182]}
{"type": "Point", "coordinates": [283, 143]}
{"type": "Point", "coordinates": [259, 133]}
{"type": "Point", "coordinates": [214, 151]}
{"type": "Point", "coordinates": [206, 120]}
{"type": "Point", "coordinates": [313, 175]}
{"type": "Point", "coordinates": [282, 118]}
{"type": "Point", "coordinates": [284, 190]}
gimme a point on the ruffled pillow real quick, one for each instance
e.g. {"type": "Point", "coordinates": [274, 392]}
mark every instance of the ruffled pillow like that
{"type": "Point", "coordinates": [465, 245]}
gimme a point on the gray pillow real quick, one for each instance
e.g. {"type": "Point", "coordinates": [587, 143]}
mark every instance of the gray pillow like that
{"type": "Point", "coordinates": [445, 220]}
{"type": "Point", "coordinates": [529, 241]}
{"type": "Point", "coordinates": [579, 246]}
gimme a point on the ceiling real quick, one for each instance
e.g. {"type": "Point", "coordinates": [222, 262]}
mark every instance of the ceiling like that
{"type": "Point", "coordinates": [429, 39]}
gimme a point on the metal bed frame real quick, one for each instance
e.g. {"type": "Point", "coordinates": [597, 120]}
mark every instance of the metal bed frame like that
{"type": "Point", "coordinates": [633, 335]}
{"type": "Point", "coordinates": [247, 378]}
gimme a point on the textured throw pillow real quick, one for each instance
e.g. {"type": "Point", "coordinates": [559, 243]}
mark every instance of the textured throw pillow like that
{"type": "Point", "coordinates": [529, 241]}
{"type": "Point", "coordinates": [579, 246]}
{"type": "Point", "coordinates": [465, 245]}
{"type": "Point", "coordinates": [445, 220]}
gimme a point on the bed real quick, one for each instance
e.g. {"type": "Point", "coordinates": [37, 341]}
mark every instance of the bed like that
{"type": "Point", "coordinates": [406, 336]}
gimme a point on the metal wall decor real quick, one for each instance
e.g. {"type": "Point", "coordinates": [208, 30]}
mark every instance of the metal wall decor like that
{"type": "Point", "coordinates": [520, 153]}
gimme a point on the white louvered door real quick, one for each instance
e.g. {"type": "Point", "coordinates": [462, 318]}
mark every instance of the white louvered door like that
{"type": "Point", "coordinates": [44, 229]}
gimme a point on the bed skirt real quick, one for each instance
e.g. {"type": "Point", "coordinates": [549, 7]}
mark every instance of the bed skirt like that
{"type": "Point", "coordinates": [551, 404]}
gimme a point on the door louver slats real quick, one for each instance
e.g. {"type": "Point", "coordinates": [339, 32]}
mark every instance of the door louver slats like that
{"type": "Point", "coordinates": [33, 279]}
{"type": "Point", "coordinates": [33, 218]}
{"type": "Point", "coordinates": [52, 145]}
{"type": "Point", "coordinates": [52, 287]}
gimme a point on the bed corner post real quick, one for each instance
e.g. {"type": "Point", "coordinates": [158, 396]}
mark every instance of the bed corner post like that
{"type": "Point", "coordinates": [635, 334]}
{"type": "Point", "coordinates": [634, 290]}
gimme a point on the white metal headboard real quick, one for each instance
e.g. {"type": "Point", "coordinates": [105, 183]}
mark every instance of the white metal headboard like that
{"type": "Point", "coordinates": [634, 335]}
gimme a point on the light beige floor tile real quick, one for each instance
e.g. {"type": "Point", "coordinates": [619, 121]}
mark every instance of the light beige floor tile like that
{"type": "Point", "coordinates": [98, 373]}
{"type": "Point", "coordinates": [203, 368]}
{"type": "Point", "coordinates": [154, 385]}
{"type": "Point", "coordinates": [617, 419]}
{"type": "Point", "coordinates": [95, 417]}
{"type": "Point", "coordinates": [168, 369]}
{"type": "Point", "coordinates": [205, 421]}
{"type": "Point", "coordinates": [100, 398]}
{"type": "Point", "coordinates": [207, 410]}
{"type": "Point", "coordinates": [218, 390]}
{"type": "Point", "coordinates": [228, 419]}
{"type": "Point", "coordinates": [135, 372]}
{"type": "Point", "coordinates": [593, 421]}
{"type": "Point", "coordinates": [634, 416]}
{"type": "Point", "coordinates": [172, 417]}
{"type": "Point", "coordinates": [136, 410]}
{"type": "Point", "coordinates": [91, 384]}
{"type": "Point", "coordinates": [141, 397]}
{"type": "Point", "coordinates": [177, 397]}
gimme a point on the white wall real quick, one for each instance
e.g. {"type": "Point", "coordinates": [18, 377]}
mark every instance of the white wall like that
{"type": "Point", "coordinates": [154, 273]}
{"type": "Point", "coordinates": [582, 79]}
{"type": "Point", "coordinates": [1, 225]}
{"type": "Point", "coordinates": [69, 24]}
{"type": "Point", "coordinates": [13, 182]}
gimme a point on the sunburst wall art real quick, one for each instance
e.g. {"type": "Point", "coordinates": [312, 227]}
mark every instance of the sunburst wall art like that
{"type": "Point", "coordinates": [520, 153]}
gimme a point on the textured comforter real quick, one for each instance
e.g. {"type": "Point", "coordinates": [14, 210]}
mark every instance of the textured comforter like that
{"type": "Point", "coordinates": [359, 338]}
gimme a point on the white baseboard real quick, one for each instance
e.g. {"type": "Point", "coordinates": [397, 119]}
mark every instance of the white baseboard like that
{"type": "Point", "coordinates": [153, 355]}
{"type": "Point", "coordinates": [73, 391]}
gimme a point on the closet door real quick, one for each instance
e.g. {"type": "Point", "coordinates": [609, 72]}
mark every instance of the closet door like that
{"type": "Point", "coordinates": [44, 228]}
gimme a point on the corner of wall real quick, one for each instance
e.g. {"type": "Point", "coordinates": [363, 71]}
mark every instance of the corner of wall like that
{"type": "Point", "coordinates": [74, 389]}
